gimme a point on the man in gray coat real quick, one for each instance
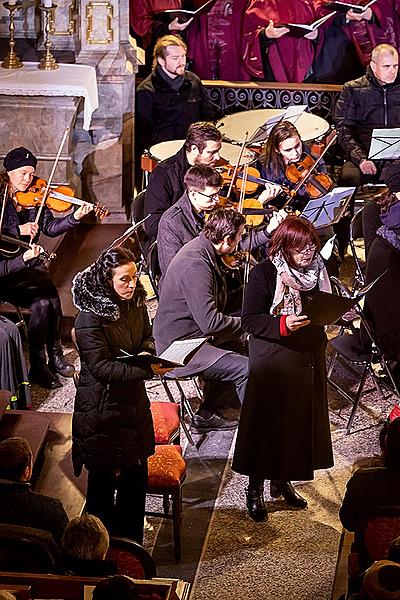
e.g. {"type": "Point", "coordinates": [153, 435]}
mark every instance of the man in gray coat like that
{"type": "Point", "coordinates": [192, 304]}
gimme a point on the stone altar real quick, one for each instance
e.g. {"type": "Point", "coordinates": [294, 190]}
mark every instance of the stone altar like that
{"type": "Point", "coordinates": [90, 32]}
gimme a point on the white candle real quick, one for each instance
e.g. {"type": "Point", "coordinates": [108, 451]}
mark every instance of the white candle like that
{"type": "Point", "coordinates": [48, 3]}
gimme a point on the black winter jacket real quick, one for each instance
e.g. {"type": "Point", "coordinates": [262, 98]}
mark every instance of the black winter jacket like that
{"type": "Point", "coordinates": [163, 113]}
{"type": "Point", "coordinates": [365, 104]}
{"type": "Point", "coordinates": [112, 425]}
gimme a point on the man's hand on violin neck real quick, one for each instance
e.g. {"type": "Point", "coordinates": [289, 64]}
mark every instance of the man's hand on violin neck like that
{"type": "Point", "coordinates": [29, 229]}
{"type": "Point", "coordinates": [83, 210]}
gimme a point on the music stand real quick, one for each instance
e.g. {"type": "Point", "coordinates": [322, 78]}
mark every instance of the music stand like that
{"type": "Point", "coordinates": [328, 209]}
{"type": "Point", "coordinates": [292, 113]}
{"type": "Point", "coordinates": [385, 144]}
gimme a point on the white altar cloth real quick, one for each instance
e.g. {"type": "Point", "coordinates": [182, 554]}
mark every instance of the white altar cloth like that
{"type": "Point", "coordinates": [67, 80]}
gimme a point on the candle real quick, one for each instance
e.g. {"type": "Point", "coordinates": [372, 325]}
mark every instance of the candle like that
{"type": "Point", "coordinates": [12, 2]}
{"type": "Point", "coordinates": [48, 3]}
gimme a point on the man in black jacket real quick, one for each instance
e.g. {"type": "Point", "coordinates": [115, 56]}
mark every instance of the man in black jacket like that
{"type": "Point", "coordinates": [19, 505]}
{"type": "Point", "coordinates": [202, 146]}
{"type": "Point", "coordinates": [170, 98]}
{"type": "Point", "coordinates": [372, 101]}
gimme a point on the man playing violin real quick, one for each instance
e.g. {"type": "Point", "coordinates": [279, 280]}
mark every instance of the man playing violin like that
{"type": "Point", "coordinates": [31, 285]}
{"type": "Point", "coordinates": [185, 219]}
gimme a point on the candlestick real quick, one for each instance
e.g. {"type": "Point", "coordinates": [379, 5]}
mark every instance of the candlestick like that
{"type": "Point", "coordinates": [48, 61]}
{"type": "Point", "coordinates": [12, 61]}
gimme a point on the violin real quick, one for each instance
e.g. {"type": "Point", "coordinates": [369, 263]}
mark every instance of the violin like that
{"type": "Point", "coordinates": [16, 244]}
{"type": "Point", "coordinates": [59, 199]}
{"type": "Point", "coordinates": [315, 184]}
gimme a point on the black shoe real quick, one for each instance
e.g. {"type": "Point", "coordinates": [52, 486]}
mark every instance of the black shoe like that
{"type": "Point", "coordinates": [58, 362]}
{"type": "Point", "coordinates": [213, 423]}
{"type": "Point", "coordinates": [285, 489]}
{"type": "Point", "coordinates": [41, 375]}
{"type": "Point", "coordinates": [256, 505]}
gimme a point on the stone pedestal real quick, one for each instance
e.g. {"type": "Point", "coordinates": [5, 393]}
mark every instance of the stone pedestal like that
{"type": "Point", "coordinates": [38, 123]}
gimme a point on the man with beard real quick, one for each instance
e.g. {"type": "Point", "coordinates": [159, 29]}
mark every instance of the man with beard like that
{"type": "Point", "coordinates": [202, 146]}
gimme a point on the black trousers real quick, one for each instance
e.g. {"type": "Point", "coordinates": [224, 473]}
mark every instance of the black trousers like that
{"type": "Point", "coordinates": [33, 288]}
{"type": "Point", "coordinates": [230, 369]}
{"type": "Point", "coordinates": [119, 499]}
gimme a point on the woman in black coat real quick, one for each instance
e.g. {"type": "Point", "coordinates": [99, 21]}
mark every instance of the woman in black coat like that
{"type": "Point", "coordinates": [284, 426]}
{"type": "Point", "coordinates": [112, 426]}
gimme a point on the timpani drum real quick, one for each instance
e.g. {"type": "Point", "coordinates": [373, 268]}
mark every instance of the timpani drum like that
{"type": "Point", "coordinates": [233, 127]}
{"type": "Point", "coordinates": [229, 152]}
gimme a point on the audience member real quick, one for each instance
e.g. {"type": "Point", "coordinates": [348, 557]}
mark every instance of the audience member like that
{"type": "Point", "coordinates": [19, 504]}
{"type": "Point", "coordinates": [192, 304]}
{"type": "Point", "coordinates": [202, 146]}
{"type": "Point", "coordinates": [374, 487]}
{"type": "Point", "coordinates": [170, 98]}
{"type": "Point", "coordinates": [5, 595]}
{"type": "Point", "coordinates": [84, 546]}
{"type": "Point", "coordinates": [118, 587]}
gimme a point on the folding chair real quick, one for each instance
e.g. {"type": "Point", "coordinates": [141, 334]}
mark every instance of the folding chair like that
{"type": "Point", "coordinates": [356, 233]}
{"type": "Point", "coordinates": [355, 354]}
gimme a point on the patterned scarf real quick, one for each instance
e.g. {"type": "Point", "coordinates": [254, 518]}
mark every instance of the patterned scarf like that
{"type": "Point", "coordinates": [290, 282]}
{"type": "Point", "coordinates": [390, 236]}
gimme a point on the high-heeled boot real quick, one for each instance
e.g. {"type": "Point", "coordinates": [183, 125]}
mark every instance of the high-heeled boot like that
{"type": "Point", "coordinates": [58, 362]}
{"type": "Point", "coordinates": [255, 501]}
{"type": "Point", "coordinates": [39, 372]}
{"type": "Point", "coordinates": [284, 488]}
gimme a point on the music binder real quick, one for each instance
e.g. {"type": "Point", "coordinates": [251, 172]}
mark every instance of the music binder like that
{"type": "Point", "coordinates": [178, 354]}
{"type": "Point", "coordinates": [385, 144]}
{"type": "Point", "coordinates": [344, 7]}
{"type": "Point", "coordinates": [328, 209]}
{"type": "Point", "coordinates": [184, 15]}
{"type": "Point", "coordinates": [302, 29]}
{"type": "Point", "coordinates": [325, 308]}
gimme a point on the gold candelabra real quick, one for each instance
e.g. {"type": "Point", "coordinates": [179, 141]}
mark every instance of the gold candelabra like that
{"type": "Point", "coordinates": [48, 61]}
{"type": "Point", "coordinates": [12, 61]}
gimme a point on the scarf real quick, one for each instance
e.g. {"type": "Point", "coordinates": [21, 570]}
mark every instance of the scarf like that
{"type": "Point", "coordinates": [390, 236]}
{"type": "Point", "coordinates": [290, 282]}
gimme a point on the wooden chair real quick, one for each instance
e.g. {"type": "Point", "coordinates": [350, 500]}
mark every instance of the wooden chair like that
{"type": "Point", "coordinates": [167, 472]}
{"type": "Point", "coordinates": [131, 558]}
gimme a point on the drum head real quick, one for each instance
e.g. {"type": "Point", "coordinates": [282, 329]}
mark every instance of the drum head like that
{"type": "Point", "coordinates": [233, 127]}
{"type": "Point", "coordinates": [229, 152]}
{"type": "Point", "coordinates": [164, 150]}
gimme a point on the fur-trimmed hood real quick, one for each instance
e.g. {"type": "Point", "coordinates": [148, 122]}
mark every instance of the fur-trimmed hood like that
{"type": "Point", "coordinates": [89, 296]}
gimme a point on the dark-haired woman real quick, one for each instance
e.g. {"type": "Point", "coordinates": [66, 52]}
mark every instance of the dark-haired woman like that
{"type": "Point", "coordinates": [284, 430]}
{"type": "Point", "coordinates": [112, 426]}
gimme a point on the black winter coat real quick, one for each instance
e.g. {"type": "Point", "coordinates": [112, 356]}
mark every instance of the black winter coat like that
{"type": "Point", "coordinates": [112, 425]}
{"type": "Point", "coordinates": [284, 424]}
{"type": "Point", "coordinates": [363, 105]}
{"type": "Point", "coordinates": [163, 113]}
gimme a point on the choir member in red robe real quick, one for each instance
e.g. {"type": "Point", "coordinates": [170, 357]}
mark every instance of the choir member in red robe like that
{"type": "Point", "coordinates": [273, 53]}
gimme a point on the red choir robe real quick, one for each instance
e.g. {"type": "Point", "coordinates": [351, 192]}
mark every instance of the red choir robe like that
{"type": "Point", "coordinates": [383, 29]}
{"type": "Point", "coordinates": [141, 15]}
{"type": "Point", "coordinates": [290, 58]}
{"type": "Point", "coordinates": [214, 42]}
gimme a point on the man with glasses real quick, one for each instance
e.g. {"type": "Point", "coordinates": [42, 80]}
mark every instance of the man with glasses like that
{"type": "Point", "coordinates": [185, 219]}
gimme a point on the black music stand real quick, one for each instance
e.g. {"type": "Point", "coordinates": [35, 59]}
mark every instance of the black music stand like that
{"type": "Point", "coordinates": [385, 144]}
{"type": "Point", "coordinates": [292, 113]}
{"type": "Point", "coordinates": [328, 209]}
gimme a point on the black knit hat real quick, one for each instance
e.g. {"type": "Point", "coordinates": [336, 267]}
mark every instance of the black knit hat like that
{"type": "Point", "coordinates": [391, 175]}
{"type": "Point", "coordinates": [19, 157]}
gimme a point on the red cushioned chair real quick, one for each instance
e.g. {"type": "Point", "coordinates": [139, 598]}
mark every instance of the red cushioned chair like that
{"type": "Point", "coordinates": [167, 472]}
{"type": "Point", "coordinates": [373, 537]}
{"type": "Point", "coordinates": [131, 558]}
{"type": "Point", "coordinates": [166, 421]}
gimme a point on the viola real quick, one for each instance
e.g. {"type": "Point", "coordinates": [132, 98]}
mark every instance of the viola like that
{"type": "Point", "coordinates": [316, 184]}
{"type": "Point", "coordinates": [59, 199]}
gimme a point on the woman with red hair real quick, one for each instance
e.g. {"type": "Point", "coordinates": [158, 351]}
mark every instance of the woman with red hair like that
{"type": "Point", "coordinates": [284, 430]}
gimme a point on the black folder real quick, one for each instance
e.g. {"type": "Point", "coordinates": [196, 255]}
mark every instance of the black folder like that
{"type": "Point", "coordinates": [184, 15]}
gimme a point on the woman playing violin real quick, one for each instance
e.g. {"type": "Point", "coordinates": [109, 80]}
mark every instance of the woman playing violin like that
{"type": "Point", "coordinates": [284, 148]}
{"type": "Point", "coordinates": [31, 285]}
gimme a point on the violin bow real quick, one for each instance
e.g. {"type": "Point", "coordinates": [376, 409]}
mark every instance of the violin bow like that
{"type": "Point", "coordinates": [3, 207]}
{"type": "Point", "coordinates": [236, 168]}
{"type": "Point", "coordinates": [46, 192]}
{"type": "Point", "coordinates": [317, 161]}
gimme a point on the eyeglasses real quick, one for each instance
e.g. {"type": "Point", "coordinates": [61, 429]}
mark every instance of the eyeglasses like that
{"type": "Point", "coordinates": [307, 250]}
{"type": "Point", "coordinates": [211, 197]}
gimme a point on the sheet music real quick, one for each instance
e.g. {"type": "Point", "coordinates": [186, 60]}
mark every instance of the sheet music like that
{"type": "Point", "coordinates": [328, 209]}
{"type": "Point", "coordinates": [180, 349]}
{"type": "Point", "coordinates": [385, 144]}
